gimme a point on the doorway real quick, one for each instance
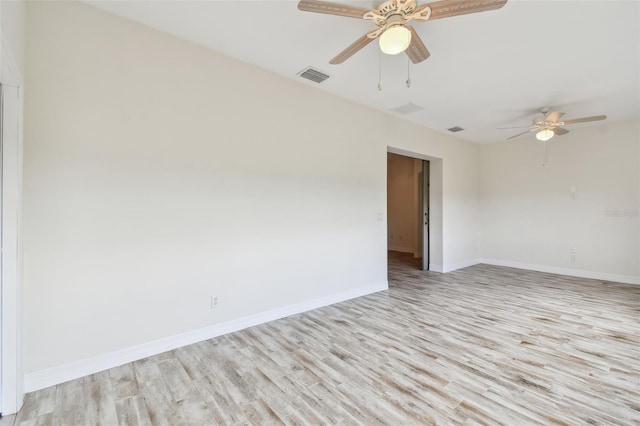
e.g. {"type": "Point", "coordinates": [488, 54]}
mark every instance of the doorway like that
{"type": "Point", "coordinates": [408, 210]}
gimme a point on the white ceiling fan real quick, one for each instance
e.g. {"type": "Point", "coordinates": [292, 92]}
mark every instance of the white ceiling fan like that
{"type": "Point", "coordinates": [392, 17]}
{"type": "Point", "coordinates": [548, 124]}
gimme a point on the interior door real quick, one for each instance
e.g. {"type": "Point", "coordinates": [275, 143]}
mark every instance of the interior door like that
{"type": "Point", "coordinates": [425, 215]}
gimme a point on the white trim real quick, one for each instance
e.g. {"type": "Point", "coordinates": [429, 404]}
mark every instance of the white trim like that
{"type": "Point", "coordinates": [460, 265]}
{"type": "Point", "coordinates": [627, 279]}
{"type": "Point", "coordinates": [435, 268]}
{"type": "Point", "coordinates": [12, 382]}
{"type": "Point", "coordinates": [9, 70]}
{"type": "Point", "coordinates": [62, 373]}
{"type": "Point", "coordinates": [454, 267]}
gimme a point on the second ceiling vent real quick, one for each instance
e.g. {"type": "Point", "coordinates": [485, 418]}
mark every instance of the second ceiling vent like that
{"type": "Point", "coordinates": [407, 108]}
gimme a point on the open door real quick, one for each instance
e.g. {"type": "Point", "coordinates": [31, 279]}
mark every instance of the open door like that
{"type": "Point", "coordinates": [425, 214]}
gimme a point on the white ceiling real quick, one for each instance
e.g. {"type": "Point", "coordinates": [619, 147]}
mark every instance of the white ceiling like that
{"type": "Point", "coordinates": [486, 70]}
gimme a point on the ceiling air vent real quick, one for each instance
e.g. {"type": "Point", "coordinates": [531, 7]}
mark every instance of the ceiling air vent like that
{"type": "Point", "coordinates": [455, 129]}
{"type": "Point", "coordinates": [407, 109]}
{"type": "Point", "coordinates": [313, 75]}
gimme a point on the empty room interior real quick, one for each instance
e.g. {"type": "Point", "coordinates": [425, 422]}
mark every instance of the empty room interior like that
{"type": "Point", "coordinates": [309, 212]}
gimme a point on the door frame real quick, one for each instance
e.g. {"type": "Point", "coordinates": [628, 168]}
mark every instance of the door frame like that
{"type": "Point", "coordinates": [424, 212]}
{"type": "Point", "coordinates": [436, 249]}
{"type": "Point", "coordinates": [11, 376]}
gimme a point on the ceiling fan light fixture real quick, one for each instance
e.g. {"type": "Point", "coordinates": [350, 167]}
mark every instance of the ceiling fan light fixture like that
{"type": "Point", "coordinates": [395, 40]}
{"type": "Point", "coordinates": [544, 135]}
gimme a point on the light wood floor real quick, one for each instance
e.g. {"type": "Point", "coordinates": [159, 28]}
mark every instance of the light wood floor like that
{"type": "Point", "coordinates": [483, 345]}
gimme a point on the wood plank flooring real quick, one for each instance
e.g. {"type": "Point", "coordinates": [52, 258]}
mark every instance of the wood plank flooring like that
{"type": "Point", "coordinates": [482, 345]}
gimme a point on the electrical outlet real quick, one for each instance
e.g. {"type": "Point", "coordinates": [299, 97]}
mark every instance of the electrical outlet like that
{"type": "Point", "coordinates": [573, 254]}
{"type": "Point", "coordinates": [214, 302]}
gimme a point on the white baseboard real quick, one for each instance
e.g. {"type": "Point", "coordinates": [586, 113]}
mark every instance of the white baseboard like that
{"type": "Point", "coordinates": [449, 268]}
{"type": "Point", "coordinates": [435, 268]}
{"type": "Point", "coordinates": [63, 373]}
{"type": "Point", "coordinates": [627, 279]}
{"type": "Point", "coordinates": [460, 265]}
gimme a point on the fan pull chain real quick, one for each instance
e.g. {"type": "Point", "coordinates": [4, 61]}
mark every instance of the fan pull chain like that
{"type": "Point", "coordinates": [544, 164]}
{"type": "Point", "coordinates": [408, 82]}
{"type": "Point", "coordinates": [379, 70]}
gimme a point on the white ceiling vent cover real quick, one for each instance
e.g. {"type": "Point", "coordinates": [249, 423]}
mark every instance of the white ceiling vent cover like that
{"type": "Point", "coordinates": [407, 109]}
{"type": "Point", "coordinates": [313, 74]}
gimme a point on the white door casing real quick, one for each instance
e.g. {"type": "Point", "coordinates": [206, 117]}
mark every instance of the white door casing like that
{"type": "Point", "coordinates": [12, 378]}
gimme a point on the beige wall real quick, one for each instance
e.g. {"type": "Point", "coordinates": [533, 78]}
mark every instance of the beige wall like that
{"type": "Point", "coordinates": [12, 20]}
{"type": "Point", "coordinates": [158, 173]}
{"type": "Point", "coordinates": [530, 217]}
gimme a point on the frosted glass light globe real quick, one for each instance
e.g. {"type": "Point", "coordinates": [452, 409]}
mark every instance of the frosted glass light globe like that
{"type": "Point", "coordinates": [544, 135]}
{"type": "Point", "coordinates": [395, 40]}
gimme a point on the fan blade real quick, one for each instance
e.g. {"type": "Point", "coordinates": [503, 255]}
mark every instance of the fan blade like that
{"type": "Point", "coordinates": [422, 13]}
{"type": "Point", "coordinates": [584, 119]}
{"type": "Point", "coordinates": [553, 116]}
{"type": "Point", "coordinates": [329, 8]}
{"type": "Point", "coordinates": [353, 48]}
{"type": "Point", "coordinates": [520, 134]}
{"type": "Point", "coordinates": [374, 34]}
{"type": "Point", "coordinates": [560, 131]}
{"type": "Point", "coordinates": [448, 8]}
{"type": "Point", "coordinates": [416, 51]}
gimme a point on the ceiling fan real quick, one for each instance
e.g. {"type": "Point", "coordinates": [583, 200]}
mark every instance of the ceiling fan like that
{"type": "Point", "coordinates": [548, 124]}
{"type": "Point", "coordinates": [392, 18]}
